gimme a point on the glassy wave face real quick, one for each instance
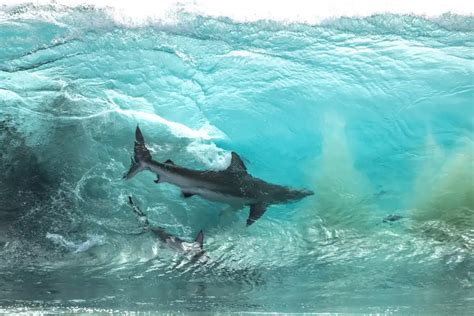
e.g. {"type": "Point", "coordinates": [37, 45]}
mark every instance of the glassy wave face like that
{"type": "Point", "coordinates": [375, 115]}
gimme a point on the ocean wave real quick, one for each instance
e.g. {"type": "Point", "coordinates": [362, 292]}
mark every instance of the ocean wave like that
{"type": "Point", "coordinates": [373, 112]}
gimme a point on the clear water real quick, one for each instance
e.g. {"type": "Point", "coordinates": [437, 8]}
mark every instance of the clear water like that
{"type": "Point", "coordinates": [374, 114]}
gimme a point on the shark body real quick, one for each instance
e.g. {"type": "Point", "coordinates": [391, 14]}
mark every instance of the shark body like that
{"type": "Point", "coordinates": [234, 185]}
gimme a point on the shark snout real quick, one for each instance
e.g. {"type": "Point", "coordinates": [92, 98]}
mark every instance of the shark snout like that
{"type": "Point", "coordinates": [300, 194]}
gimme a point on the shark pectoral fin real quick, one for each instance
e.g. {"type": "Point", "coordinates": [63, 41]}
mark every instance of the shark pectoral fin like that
{"type": "Point", "coordinates": [200, 239]}
{"type": "Point", "coordinates": [236, 164]}
{"type": "Point", "coordinates": [256, 211]}
{"type": "Point", "coordinates": [169, 162]}
{"type": "Point", "coordinates": [186, 194]}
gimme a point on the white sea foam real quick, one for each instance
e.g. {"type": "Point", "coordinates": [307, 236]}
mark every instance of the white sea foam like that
{"type": "Point", "coordinates": [303, 11]}
{"type": "Point", "coordinates": [180, 130]}
{"type": "Point", "coordinates": [210, 155]}
{"type": "Point", "coordinates": [205, 132]}
{"type": "Point", "coordinates": [76, 247]}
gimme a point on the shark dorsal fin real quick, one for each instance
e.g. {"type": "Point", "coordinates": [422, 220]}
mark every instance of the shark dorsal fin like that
{"type": "Point", "coordinates": [200, 239]}
{"type": "Point", "coordinates": [236, 164]}
{"type": "Point", "coordinates": [169, 162]}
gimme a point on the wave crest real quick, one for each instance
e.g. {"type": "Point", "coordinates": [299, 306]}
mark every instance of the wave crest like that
{"type": "Point", "coordinates": [368, 15]}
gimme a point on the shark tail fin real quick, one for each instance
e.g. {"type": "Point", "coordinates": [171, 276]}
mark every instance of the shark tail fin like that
{"type": "Point", "coordinates": [200, 239]}
{"type": "Point", "coordinates": [141, 156]}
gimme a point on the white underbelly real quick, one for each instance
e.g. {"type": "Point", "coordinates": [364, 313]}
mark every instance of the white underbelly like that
{"type": "Point", "coordinates": [217, 196]}
{"type": "Point", "coordinates": [195, 187]}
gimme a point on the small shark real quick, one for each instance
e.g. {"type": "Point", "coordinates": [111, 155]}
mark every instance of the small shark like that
{"type": "Point", "coordinates": [194, 248]}
{"type": "Point", "coordinates": [392, 218]}
{"type": "Point", "coordinates": [233, 185]}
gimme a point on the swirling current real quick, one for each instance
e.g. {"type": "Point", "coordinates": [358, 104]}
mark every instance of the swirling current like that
{"type": "Point", "coordinates": [373, 114]}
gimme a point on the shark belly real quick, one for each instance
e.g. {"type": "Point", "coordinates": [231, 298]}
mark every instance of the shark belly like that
{"type": "Point", "coordinates": [217, 196]}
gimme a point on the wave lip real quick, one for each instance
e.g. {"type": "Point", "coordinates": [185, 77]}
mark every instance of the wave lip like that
{"type": "Point", "coordinates": [295, 11]}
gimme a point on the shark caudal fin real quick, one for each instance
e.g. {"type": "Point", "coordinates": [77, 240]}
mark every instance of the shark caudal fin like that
{"type": "Point", "coordinates": [200, 239]}
{"type": "Point", "coordinates": [141, 156]}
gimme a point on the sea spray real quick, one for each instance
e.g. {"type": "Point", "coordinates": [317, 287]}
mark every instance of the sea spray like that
{"type": "Point", "coordinates": [444, 188]}
{"type": "Point", "coordinates": [344, 197]}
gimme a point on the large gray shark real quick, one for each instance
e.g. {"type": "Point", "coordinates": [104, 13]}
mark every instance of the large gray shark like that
{"type": "Point", "coordinates": [194, 248]}
{"type": "Point", "coordinates": [233, 185]}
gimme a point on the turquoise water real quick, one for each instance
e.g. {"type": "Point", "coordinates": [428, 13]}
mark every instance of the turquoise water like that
{"type": "Point", "coordinates": [375, 115]}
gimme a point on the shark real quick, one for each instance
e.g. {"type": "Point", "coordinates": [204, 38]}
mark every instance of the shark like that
{"type": "Point", "coordinates": [194, 248]}
{"type": "Point", "coordinates": [233, 186]}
